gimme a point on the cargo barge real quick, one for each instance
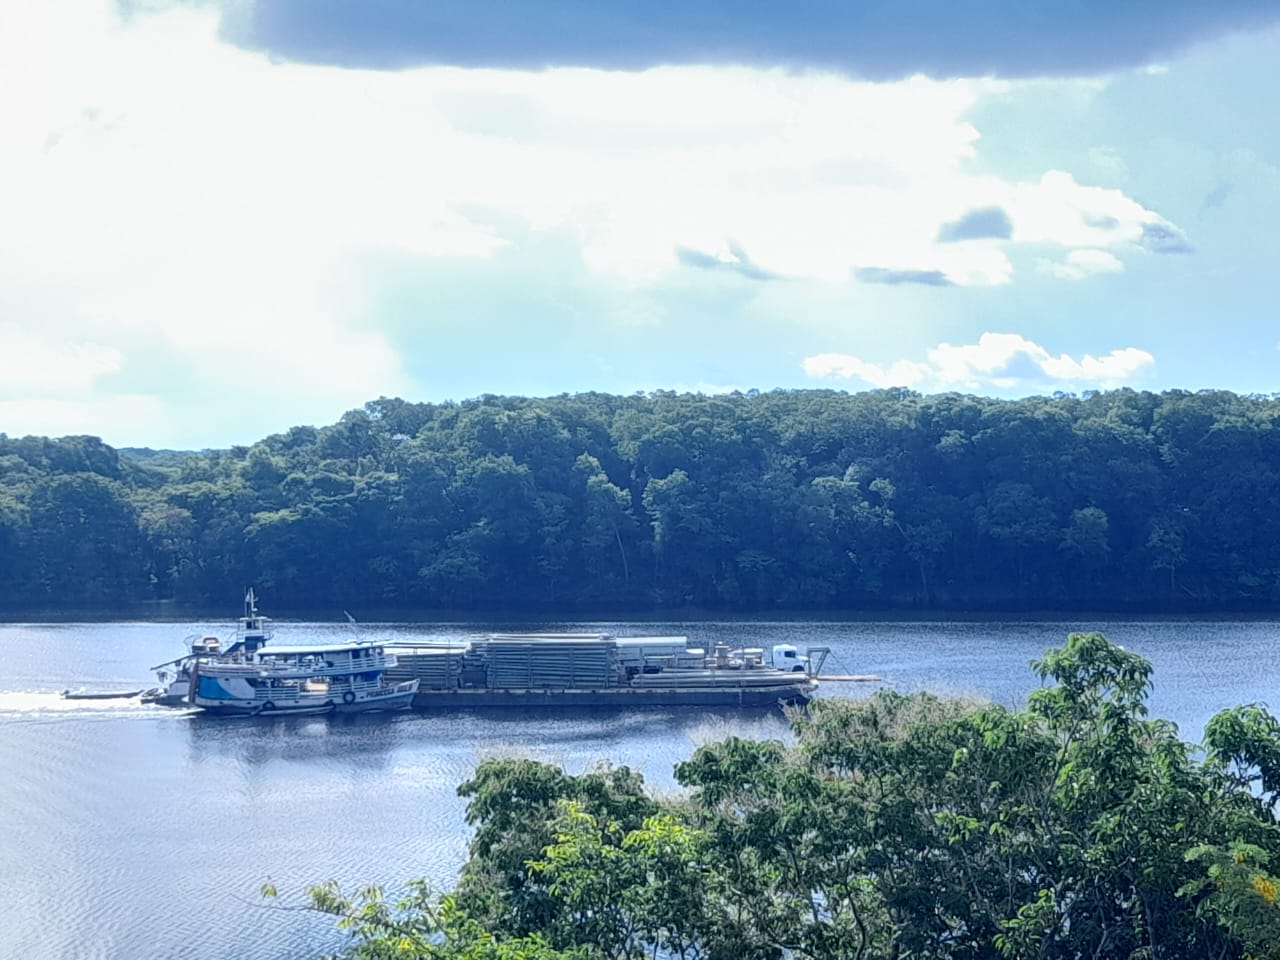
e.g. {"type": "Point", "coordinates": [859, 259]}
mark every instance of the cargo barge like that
{"type": "Point", "coordinates": [558, 670]}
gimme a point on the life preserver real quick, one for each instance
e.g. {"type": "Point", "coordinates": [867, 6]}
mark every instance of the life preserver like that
{"type": "Point", "coordinates": [348, 697]}
{"type": "Point", "coordinates": [267, 707]}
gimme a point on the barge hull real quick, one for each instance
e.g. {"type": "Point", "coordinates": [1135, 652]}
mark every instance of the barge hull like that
{"type": "Point", "coordinates": [464, 699]}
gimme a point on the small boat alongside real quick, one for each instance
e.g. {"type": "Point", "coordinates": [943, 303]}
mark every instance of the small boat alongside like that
{"type": "Point", "coordinates": [83, 695]}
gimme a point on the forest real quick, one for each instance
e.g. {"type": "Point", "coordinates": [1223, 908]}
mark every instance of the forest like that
{"type": "Point", "coordinates": [783, 501]}
{"type": "Point", "coordinates": [897, 827]}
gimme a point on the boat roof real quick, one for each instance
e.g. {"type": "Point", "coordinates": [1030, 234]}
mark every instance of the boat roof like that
{"type": "Point", "coordinates": [428, 648]}
{"type": "Point", "coordinates": [302, 650]}
{"type": "Point", "coordinates": [585, 638]}
{"type": "Point", "coordinates": [560, 637]}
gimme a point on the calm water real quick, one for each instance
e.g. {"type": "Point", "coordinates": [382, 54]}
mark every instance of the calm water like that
{"type": "Point", "coordinates": [136, 831]}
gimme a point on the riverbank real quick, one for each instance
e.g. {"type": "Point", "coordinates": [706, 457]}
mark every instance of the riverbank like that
{"type": "Point", "coordinates": [171, 611]}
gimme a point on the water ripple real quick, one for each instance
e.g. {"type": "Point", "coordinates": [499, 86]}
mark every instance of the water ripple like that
{"type": "Point", "coordinates": [141, 831]}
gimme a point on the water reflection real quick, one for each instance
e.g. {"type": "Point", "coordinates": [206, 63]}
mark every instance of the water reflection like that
{"type": "Point", "coordinates": [309, 756]}
{"type": "Point", "coordinates": [365, 742]}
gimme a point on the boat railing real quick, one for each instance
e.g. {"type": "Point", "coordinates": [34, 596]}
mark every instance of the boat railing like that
{"type": "Point", "coordinates": [282, 662]}
{"type": "Point", "coordinates": [366, 684]}
{"type": "Point", "coordinates": [294, 688]}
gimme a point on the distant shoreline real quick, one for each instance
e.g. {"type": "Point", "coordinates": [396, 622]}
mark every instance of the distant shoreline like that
{"type": "Point", "coordinates": [170, 612]}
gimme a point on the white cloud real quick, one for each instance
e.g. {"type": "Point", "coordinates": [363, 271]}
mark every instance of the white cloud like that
{"type": "Point", "coordinates": [168, 195]}
{"type": "Point", "coordinates": [34, 365]}
{"type": "Point", "coordinates": [1112, 370]}
{"type": "Point", "coordinates": [1083, 263]}
{"type": "Point", "coordinates": [127, 419]}
{"type": "Point", "coordinates": [901, 373]}
{"type": "Point", "coordinates": [171, 202]}
{"type": "Point", "coordinates": [999, 362]}
{"type": "Point", "coordinates": [1058, 210]}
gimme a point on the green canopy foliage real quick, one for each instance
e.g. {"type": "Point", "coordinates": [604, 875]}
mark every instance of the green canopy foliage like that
{"type": "Point", "coordinates": [789, 500]}
{"type": "Point", "coordinates": [895, 827]}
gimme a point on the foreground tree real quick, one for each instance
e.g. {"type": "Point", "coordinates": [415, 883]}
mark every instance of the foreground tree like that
{"type": "Point", "coordinates": [421, 926]}
{"type": "Point", "coordinates": [891, 828]}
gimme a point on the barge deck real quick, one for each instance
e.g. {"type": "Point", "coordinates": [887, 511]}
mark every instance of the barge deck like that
{"type": "Point", "coordinates": [600, 670]}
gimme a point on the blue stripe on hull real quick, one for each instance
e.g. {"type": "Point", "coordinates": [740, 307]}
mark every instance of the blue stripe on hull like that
{"type": "Point", "coordinates": [246, 708]}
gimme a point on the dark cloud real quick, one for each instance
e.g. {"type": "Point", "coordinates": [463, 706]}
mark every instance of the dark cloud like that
{"type": "Point", "coordinates": [1163, 238]}
{"type": "Point", "coordinates": [980, 224]}
{"type": "Point", "coordinates": [931, 278]}
{"type": "Point", "coordinates": [877, 39]}
{"type": "Point", "coordinates": [740, 264]}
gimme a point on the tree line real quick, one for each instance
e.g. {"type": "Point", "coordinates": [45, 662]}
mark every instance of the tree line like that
{"type": "Point", "coordinates": [798, 500]}
{"type": "Point", "coordinates": [889, 828]}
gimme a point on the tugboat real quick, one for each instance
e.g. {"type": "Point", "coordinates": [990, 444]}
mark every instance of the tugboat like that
{"type": "Point", "coordinates": [252, 632]}
{"type": "Point", "coordinates": [280, 681]}
{"type": "Point", "coordinates": [175, 675]}
{"type": "Point", "coordinates": [254, 678]}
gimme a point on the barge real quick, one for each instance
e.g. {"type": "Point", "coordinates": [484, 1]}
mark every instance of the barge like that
{"type": "Point", "coordinates": [255, 677]}
{"type": "Point", "coordinates": [560, 670]}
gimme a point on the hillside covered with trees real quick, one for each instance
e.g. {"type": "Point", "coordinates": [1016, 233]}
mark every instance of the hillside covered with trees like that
{"type": "Point", "coordinates": [781, 501]}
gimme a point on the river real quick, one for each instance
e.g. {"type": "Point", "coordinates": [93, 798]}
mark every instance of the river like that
{"type": "Point", "coordinates": [133, 831]}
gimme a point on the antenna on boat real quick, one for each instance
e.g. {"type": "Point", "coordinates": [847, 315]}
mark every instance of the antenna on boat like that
{"type": "Point", "coordinates": [354, 624]}
{"type": "Point", "coordinates": [253, 631]}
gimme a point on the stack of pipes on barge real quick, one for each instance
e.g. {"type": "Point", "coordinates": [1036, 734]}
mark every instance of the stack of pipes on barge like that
{"type": "Point", "coordinates": [599, 669]}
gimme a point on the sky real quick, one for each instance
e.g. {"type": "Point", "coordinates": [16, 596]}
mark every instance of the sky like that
{"type": "Point", "coordinates": [219, 220]}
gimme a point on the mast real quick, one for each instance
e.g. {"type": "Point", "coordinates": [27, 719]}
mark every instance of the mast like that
{"type": "Point", "coordinates": [254, 629]}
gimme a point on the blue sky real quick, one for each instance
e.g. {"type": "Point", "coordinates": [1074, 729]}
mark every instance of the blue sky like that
{"type": "Point", "coordinates": [219, 220]}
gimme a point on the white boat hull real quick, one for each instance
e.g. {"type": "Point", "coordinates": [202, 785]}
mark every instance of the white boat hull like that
{"type": "Point", "coordinates": [284, 703]}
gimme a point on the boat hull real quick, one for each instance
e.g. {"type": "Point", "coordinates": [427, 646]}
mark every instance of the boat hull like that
{"type": "Point", "coordinates": [617, 697]}
{"type": "Point", "coordinates": [305, 707]}
{"type": "Point", "coordinates": [124, 695]}
{"type": "Point", "coordinates": [568, 671]}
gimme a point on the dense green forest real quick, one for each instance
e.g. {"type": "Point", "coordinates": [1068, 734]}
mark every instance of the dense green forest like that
{"type": "Point", "coordinates": [892, 828]}
{"type": "Point", "coordinates": [781, 501]}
